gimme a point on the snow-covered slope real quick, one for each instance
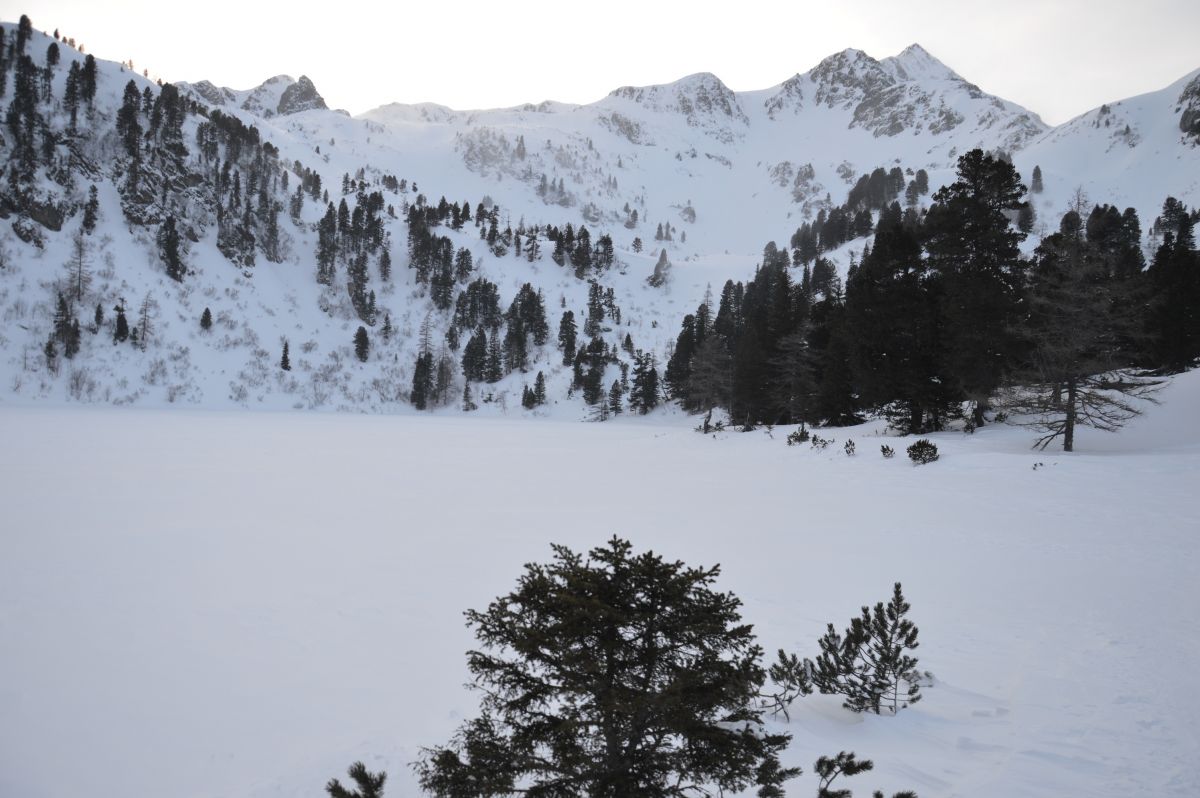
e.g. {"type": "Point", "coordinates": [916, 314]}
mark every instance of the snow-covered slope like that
{"type": "Point", "coordinates": [725, 171]}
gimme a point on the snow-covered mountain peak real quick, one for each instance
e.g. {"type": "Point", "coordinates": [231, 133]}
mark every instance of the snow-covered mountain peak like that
{"type": "Point", "coordinates": [844, 79]}
{"type": "Point", "coordinates": [702, 99]}
{"type": "Point", "coordinates": [915, 63]}
{"type": "Point", "coordinates": [277, 96]}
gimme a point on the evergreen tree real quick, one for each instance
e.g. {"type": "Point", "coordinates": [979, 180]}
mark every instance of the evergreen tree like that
{"type": "Point", "coordinates": [121, 327]}
{"type": "Point", "coordinates": [91, 211]}
{"type": "Point", "coordinates": [567, 336]}
{"type": "Point", "coordinates": [644, 393]}
{"type": "Point", "coordinates": [975, 257]}
{"type": "Point", "coordinates": [615, 405]}
{"type": "Point", "coordinates": [539, 389]}
{"type": "Point", "coordinates": [362, 344]}
{"type": "Point", "coordinates": [285, 362]}
{"type": "Point", "coordinates": [423, 381]}
{"type": "Point", "coordinates": [891, 308]}
{"type": "Point", "coordinates": [206, 320]}
{"type": "Point", "coordinates": [868, 664]}
{"type": "Point", "coordinates": [87, 80]}
{"type": "Point", "coordinates": [1035, 181]}
{"type": "Point", "coordinates": [368, 784]}
{"type": "Point", "coordinates": [168, 249]}
{"type": "Point", "coordinates": [591, 688]}
{"type": "Point", "coordinates": [1078, 368]}
{"type": "Point", "coordinates": [1174, 279]}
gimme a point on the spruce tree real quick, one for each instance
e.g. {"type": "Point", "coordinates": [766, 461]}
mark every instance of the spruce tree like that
{"type": "Point", "coordinates": [285, 362]}
{"type": "Point", "coordinates": [611, 675]}
{"type": "Point", "coordinates": [362, 344]}
{"type": "Point", "coordinates": [567, 336]}
{"type": "Point", "coordinates": [169, 249]}
{"type": "Point", "coordinates": [206, 320]}
{"type": "Point", "coordinates": [539, 389]}
{"type": "Point", "coordinates": [121, 327]}
{"type": "Point", "coordinates": [975, 258]}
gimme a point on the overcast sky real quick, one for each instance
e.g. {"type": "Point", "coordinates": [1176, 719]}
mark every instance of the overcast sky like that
{"type": "Point", "coordinates": [1058, 58]}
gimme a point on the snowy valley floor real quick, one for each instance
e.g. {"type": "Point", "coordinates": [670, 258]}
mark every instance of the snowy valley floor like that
{"type": "Point", "coordinates": [204, 604]}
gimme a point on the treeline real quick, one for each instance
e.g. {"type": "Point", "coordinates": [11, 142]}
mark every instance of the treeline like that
{"type": "Point", "coordinates": [943, 310]}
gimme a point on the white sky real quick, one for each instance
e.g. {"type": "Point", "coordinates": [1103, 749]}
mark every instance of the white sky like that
{"type": "Point", "coordinates": [1056, 57]}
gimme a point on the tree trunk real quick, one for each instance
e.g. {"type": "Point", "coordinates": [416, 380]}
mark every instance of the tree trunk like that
{"type": "Point", "coordinates": [1069, 422]}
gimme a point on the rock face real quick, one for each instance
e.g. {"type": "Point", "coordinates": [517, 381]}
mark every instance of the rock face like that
{"type": "Point", "coordinates": [1189, 119]}
{"type": "Point", "coordinates": [300, 96]}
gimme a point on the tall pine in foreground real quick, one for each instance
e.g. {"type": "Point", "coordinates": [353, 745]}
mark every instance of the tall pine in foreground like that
{"type": "Point", "coordinates": [611, 675]}
{"type": "Point", "coordinates": [973, 253]}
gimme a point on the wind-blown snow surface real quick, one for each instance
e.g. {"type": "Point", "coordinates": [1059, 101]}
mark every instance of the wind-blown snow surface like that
{"type": "Point", "coordinates": [241, 604]}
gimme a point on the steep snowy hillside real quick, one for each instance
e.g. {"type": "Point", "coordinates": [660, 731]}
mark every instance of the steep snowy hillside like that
{"type": "Point", "coordinates": [688, 171]}
{"type": "Point", "coordinates": [1131, 152]}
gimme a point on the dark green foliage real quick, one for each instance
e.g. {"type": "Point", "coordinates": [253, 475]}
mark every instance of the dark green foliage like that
{"type": "Point", "coordinates": [362, 344]}
{"type": "Point", "coordinates": [792, 678]}
{"type": "Point", "coordinates": [974, 256]}
{"type": "Point", "coordinates": [423, 381]}
{"type": "Point", "coordinates": [887, 451]}
{"type": "Point", "coordinates": [590, 688]}
{"type": "Point", "coordinates": [1174, 277]}
{"type": "Point", "coordinates": [923, 451]}
{"type": "Point", "coordinates": [868, 664]}
{"type": "Point", "coordinates": [368, 784]}
{"type": "Point", "coordinates": [644, 393]}
{"type": "Point", "coordinates": [121, 327]}
{"type": "Point", "coordinates": [1084, 332]}
{"type": "Point", "coordinates": [894, 351]}
{"type": "Point", "coordinates": [206, 320]}
{"type": "Point", "coordinates": [797, 437]}
{"type": "Point", "coordinates": [845, 764]}
{"type": "Point", "coordinates": [478, 304]}
{"type": "Point", "coordinates": [1035, 181]}
{"type": "Point", "coordinates": [285, 363]}
{"type": "Point", "coordinates": [539, 389]}
{"type": "Point", "coordinates": [129, 126]}
{"type": "Point", "coordinates": [168, 249]}
{"type": "Point", "coordinates": [567, 336]}
{"type": "Point", "coordinates": [474, 357]}
{"type": "Point", "coordinates": [91, 211]}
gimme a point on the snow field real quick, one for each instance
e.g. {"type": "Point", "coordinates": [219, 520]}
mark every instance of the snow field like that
{"type": "Point", "coordinates": [241, 604]}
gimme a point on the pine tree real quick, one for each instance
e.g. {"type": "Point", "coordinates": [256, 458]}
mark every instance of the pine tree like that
{"type": "Point", "coordinates": [206, 320]}
{"type": "Point", "coordinates": [868, 664]}
{"type": "Point", "coordinates": [423, 381]}
{"type": "Point", "coordinates": [168, 249]}
{"type": "Point", "coordinates": [91, 211]}
{"type": "Point", "coordinates": [362, 344]}
{"type": "Point", "coordinates": [1078, 368]}
{"type": "Point", "coordinates": [368, 784]}
{"type": "Point", "coordinates": [121, 328]}
{"type": "Point", "coordinates": [539, 389]}
{"type": "Point", "coordinates": [567, 336]}
{"type": "Point", "coordinates": [285, 362]}
{"type": "Point", "coordinates": [974, 255]}
{"type": "Point", "coordinates": [1035, 181]}
{"type": "Point", "coordinates": [578, 699]}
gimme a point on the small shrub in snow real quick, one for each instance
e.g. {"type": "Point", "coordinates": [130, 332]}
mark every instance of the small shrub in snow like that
{"type": "Point", "coordinates": [796, 437]}
{"type": "Point", "coordinates": [849, 447]}
{"type": "Point", "coordinates": [820, 443]}
{"type": "Point", "coordinates": [887, 451]}
{"type": "Point", "coordinates": [922, 452]}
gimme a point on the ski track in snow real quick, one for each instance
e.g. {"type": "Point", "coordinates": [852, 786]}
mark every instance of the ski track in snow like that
{"type": "Point", "coordinates": [241, 604]}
